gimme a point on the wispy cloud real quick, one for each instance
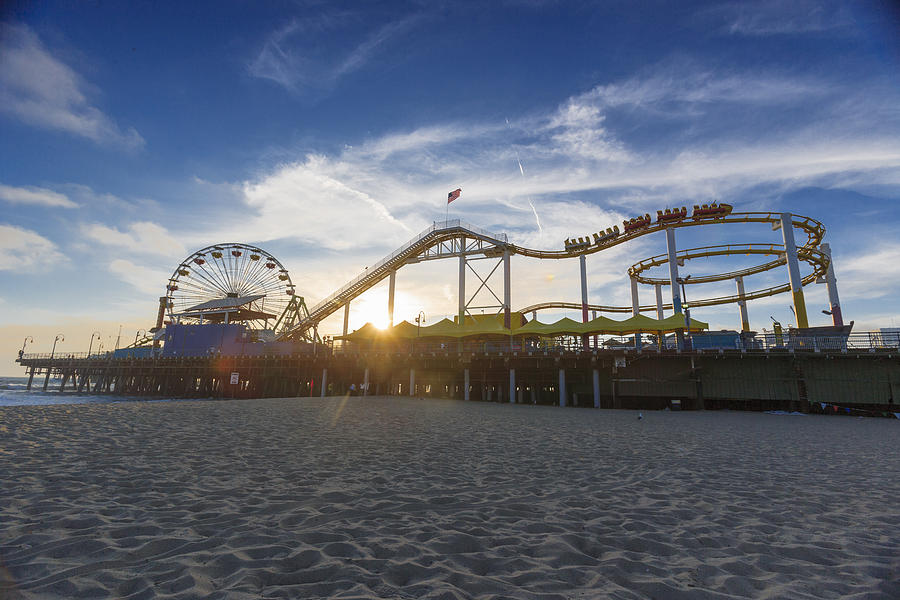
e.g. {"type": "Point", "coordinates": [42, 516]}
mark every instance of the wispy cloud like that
{"type": "Point", "coordinates": [39, 89]}
{"type": "Point", "coordinates": [141, 237]}
{"type": "Point", "coordinates": [21, 249]}
{"type": "Point", "coordinates": [293, 58]}
{"type": "Point", "coordinates": [773, 17]}
{"type": "Point", "coordinates": [34, 195]}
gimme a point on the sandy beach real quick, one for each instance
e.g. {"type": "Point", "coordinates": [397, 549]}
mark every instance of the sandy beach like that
{"type": "Point", "coordinates": [408, 498]}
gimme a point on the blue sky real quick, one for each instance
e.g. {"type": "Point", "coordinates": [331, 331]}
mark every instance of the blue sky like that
{"type": "Point", "coordinates": [133, 134]}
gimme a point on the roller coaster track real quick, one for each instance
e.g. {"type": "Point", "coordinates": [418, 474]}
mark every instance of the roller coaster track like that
{"type": "Point", "coordinates": [441, 240]}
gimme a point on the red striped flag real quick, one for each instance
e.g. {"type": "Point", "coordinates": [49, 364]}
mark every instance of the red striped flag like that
{"type": "Point", "coordinates": [453, 195]}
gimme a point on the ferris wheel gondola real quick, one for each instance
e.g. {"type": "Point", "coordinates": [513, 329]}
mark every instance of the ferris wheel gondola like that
{"type": "Point", "coordinates": [230, 276]}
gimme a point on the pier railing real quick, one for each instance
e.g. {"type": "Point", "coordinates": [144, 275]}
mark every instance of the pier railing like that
{"type": "Point", "coordinates": [866, 341]}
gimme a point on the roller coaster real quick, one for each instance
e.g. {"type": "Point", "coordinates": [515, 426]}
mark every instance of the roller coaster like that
{"type": "Point", "coordinates": [455, 238]}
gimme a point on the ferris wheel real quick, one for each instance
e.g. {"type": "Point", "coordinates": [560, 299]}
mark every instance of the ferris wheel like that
{"type": "Point", "coordinates": [237, 279]}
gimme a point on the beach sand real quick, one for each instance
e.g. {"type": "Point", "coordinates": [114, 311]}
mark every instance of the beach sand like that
{"type": "Point", "coordinates": [407, 498]}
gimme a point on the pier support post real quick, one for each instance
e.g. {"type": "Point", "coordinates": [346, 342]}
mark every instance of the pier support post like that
{"type": "Point", "coordinates": [30, 377]}
{"type": "Point", "coordinates": [562, 387]}
{"type": "Point", "coordinates": [596, 388]}
{"type": "Point", "coordinates": [512, 386]}
{"type": "Point", "coordinates": [466, 384]}
{"type": "Point", "coordinates": [47, 378]}
{"type": "Point", "coordinates": [742, 303]}
{"type": "Point", "coordinates": [324, 382]}
{"type": "Point", "coordinates": [793, 263]}
{"type": "Point", "coordinates": [392, 280]}
{"type": "Point", "coordinates": [831, 285]}
{"type": "Point", "coordinates": [673, 281]}
{"type": "Point", "coordinates": [412, 382]}
{"type": "Point", "coordinates": [533, 394]}
{"type": "Point", "coordinates": [584, 299]}
{"type": "Point", "coordinates": [366, 382]}
{"type": "Point", "coordinates": [635, 310]}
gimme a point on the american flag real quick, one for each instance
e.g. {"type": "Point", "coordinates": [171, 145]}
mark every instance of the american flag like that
{"type": "Point", "coordinates": [453, 195]}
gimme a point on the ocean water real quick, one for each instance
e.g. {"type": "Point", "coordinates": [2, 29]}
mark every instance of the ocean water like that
{"type": "Point", "coordinates": [13, 393]}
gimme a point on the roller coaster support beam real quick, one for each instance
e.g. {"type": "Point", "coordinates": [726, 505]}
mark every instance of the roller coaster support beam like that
{"type": "Point", "coordinates": [391, 284]}
{"type": "Point", "coordinates": [462, 283]}
{"type": "Point", "coordinates": [346, 317]}
{"type": "Point", "coordinates": [831, 284]}
{"type": "Point", "coordinates": [584, 298]}
{"type": "Point", "coordinates": [506, 291]}
{"type": "Point", "coordinates": [660, 336]}
{"type": "Point", "coordinates": [790, 250]}
{"type": "Point", "coordinates": [742, 304]}
{"type": "Point", "coordinates": [673, 280]}
{"type": "Point", "coordinates": [659, 303]}
{"type": "Point", "coordinates": [635, 310]}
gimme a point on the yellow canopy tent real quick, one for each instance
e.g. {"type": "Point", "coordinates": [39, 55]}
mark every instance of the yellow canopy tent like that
{"type": "Point", "coordinates": [484, 327]}
{"type": "Point", "coordinates": [601, 325]}
{"type": "Point", "coordinates": [676, 321]}
{"type": "Point", "coordinates": [638, 324]}
{"type": "Point", "coordinates": [366, 332]}
{"type": "Point", "coordinates": [442, 329]}
{"type": "Point", "coordinates": [491, 327]}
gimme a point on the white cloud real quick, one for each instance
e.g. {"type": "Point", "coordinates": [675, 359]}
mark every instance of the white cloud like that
{"type": "Point", "coordinates": [34, 195]}
{"type": "Point", "coordinates": [43, 91]}
{"type": "Point", "coordinates": [142, 237]}
{"type": "Point", "coordinates": [145, 279]}
{"type": "Point", "coordinates": [22, 249]}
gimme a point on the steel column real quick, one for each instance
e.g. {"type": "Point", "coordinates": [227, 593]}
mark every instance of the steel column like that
{"type": "Point", "coordinates": [584, 298]}
{"type": "Point", "coordinates": [506, 290]}
{"type": "Point", "coordinates": [461, 311]}
{"type": "Point", "coordinates": [831, 284]}
{"type": "Point", "coordinates": [660, 314]}
{"type": "Point", "coordinates": [412, 382]}
{"type": "Point", "coordinates": [466, 384]}
{"type": "Point", "coordinates": [512, 386]}
{"type": "Point", "coordinates": [324, 382]}
{"type": "Point", "coordinates": [635, 310]}
{"type": "Point", "coordinates": [391, 284]}
{"type": "Point", "coordinates": [793, 263]}
{"type": "Point", "coordinates": [596, 388]}
{"type": "Point", "coordinates": [346, 317]}
{"type": "Point", "coordinates": [742, 304]}
{"type": "Point", "coordinates": [673, 281]}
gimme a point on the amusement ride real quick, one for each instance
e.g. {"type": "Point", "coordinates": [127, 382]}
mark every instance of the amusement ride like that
{"type": "Point", "coordinates": [233, 282]}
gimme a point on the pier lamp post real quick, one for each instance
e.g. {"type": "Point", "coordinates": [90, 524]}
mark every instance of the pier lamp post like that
{"type": "Point", "coordinates": [91, 345]}
{"type": "Point", "coordinates": [137, 334]}
{"type": "Point", "coordinates": [420, 318]}
{"type": "Point", "coordinates": [59, 338]}
{"type": "Point", "coordinates": [28, 339]}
